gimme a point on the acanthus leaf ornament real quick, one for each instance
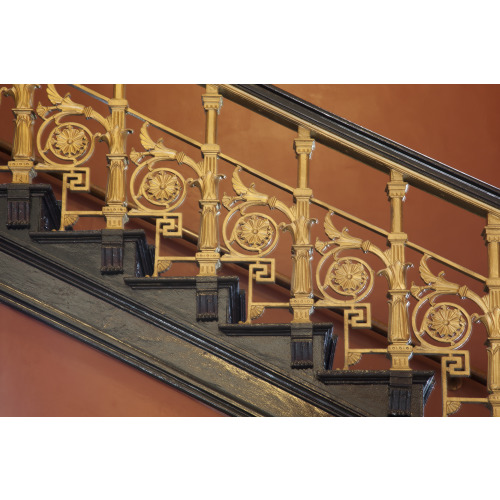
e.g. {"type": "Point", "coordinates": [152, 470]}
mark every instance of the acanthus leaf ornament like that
{"type": "Point", "coordinates": [396, 275]}
{"type": "Point", "coordinates": [68, 141]}
{"type": "Point", "coordinates": [343, 240]}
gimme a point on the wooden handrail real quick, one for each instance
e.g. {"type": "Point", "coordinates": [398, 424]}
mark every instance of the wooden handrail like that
{"type": "Point", "coordinates": [372, 149]}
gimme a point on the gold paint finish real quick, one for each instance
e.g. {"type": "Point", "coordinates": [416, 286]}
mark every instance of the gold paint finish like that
{"type": "Point", "coordinates": [208, 256]}
{"type": "Point", "coordinates": [23, 157]}
{"type": "Point", "coordinates": [115, 210]}
{"type": "Point", "coordinates": [158, 191]}
{"type": "Point", "coordinates": [250, 234]}
{"type": "Point", "coordinates": [398, 330]}
{"type": "Point", "coordinates": [72, 144]}
{"type": "Point", "coordinates": [492, 300]}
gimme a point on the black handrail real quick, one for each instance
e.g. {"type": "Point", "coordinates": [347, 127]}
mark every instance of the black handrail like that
{"type": "Point", "coordinates": [390, 150]}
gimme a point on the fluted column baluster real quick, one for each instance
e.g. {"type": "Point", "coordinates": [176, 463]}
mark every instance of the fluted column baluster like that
{"type": "Point", "coordinates": [302, 301]}
{"type": "Point", "coordinates": [399, 349]}
{"type": "Point", "coordinates": [492, 237]}
{"type": "Point", "coordinates": [23, 156]}
{"type": "Point", "coordinates": [208, 255]}
{"type": "Point", "coordinates": [115, 210]}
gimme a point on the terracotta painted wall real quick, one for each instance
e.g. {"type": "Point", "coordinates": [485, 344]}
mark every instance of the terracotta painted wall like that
{"type": "Point", "coordinates": [45, 373]}
{"type": "Point", "coordinates": [455, 124]}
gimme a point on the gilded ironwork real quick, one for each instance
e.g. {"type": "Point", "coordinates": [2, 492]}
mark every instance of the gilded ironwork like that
{"type": "Point", "coordinates": [398, 332]}
{"type": "Point", "coordinates": [446, 327]}
{"type": "Point", "coordinates": [446, 322]}
{"type": "Point", "coordinates": [72, 144]}
{"type": "Point", "coordinates": [256, 234]}
{"type": "Point", "coordinates": [348, 276]}
{"type": "Point", "coordinates": [345, 276]}
{"type": "Point", "coordinates": [252, 238]}
{"type": "Point", "coordinates": [157, 191]}
{"type": "Point", "coordinates": [346, 281]}
{"type": "Point", "coordinates": [22, 164]}
{"type": "Point", "coordinates": [208, 256]}
{"type": "Point", "coordinates": [250, 235]}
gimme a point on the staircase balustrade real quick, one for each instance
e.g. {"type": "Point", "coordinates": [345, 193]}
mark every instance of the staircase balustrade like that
{"type": "Point", "coordinates": [332, 274]}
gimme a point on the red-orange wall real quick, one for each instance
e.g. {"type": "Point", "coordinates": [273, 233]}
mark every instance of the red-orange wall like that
{"type": "Point", "coordinates": [456, 124]}
{"type": "Point", "coordinates": [46, 373]}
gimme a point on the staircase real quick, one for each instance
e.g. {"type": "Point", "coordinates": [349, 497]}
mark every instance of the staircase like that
{"type": "Point", "coordinates": [223, 313]}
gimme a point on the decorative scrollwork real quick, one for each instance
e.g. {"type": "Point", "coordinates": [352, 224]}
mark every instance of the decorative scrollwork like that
{"type": "Point", "coordinates": [444, 322]}
{"type": "Point", "coordinates": [346, 276]}
{"type": "Point", "coordinates": [254, 232]}
{"type": "Point", "coordinates": [68, 141]}
{"type": "Point", "coordinates": [159, 186]}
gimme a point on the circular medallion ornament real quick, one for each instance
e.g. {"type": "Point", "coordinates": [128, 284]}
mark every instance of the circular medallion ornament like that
{"type": "Point", "coordinates": [163, 187]}
{"type": "Point", "coordinates": [254, 232]}
{"type": "Point", "coordinates": [446, 322]}
{"type": "Point", "coordinates": [348, 276]}
{"type": "Point", "coordinates": [69, 141]}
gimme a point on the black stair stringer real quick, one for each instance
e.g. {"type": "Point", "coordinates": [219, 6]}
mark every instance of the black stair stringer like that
{"type": "Point", "coordinates": [19, 301]}
{"type": "Point", "coordinates": [182, 353]}
{"type": "Point", "coordinates": [153, 324]}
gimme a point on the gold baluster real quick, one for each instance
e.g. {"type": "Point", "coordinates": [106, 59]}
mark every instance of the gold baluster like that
{"type": "Point", "coordinates": [302, 301]}
{"type": "Point", "coordinates": [115, 210]}
{"type": "Point", "coordinates": [398, 330]}
{"type": "Point", "coordinates": [492, 237]}
{"type": "Point", "coordinates": [208, 255]}
{"type": "Point", "coordinates": [23, 158]}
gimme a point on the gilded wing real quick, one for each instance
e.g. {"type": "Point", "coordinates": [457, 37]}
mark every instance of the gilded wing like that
{"type": "Point", "coordinates": [53, 95]}
{"type": "Point", "coordinates": [341, 238]}
{"type": "Point", "coordinates": [437, 282]}
{"type": "Point", "coordinates": [156, 148]}
{"type": "Point", "coordinates": [247, 193]}
{"type": "Point", "coordinates": [65, 104]}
